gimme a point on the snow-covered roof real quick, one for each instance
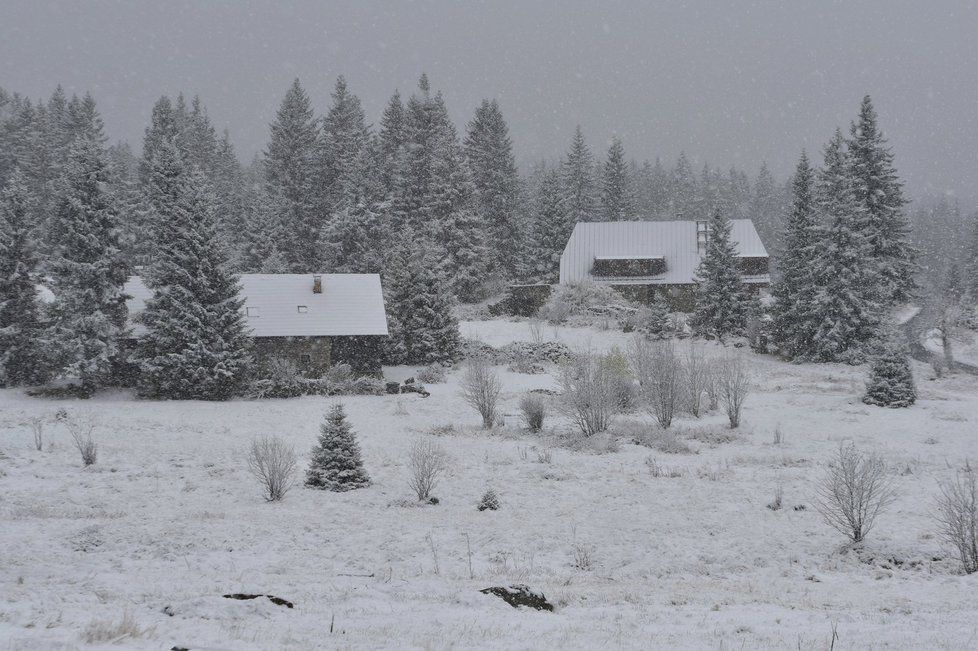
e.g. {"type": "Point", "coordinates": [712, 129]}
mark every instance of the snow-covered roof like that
{"type": "Point", "coordinates": [675, 241]}
{"type": "Point", "coordinates": [284, 305]}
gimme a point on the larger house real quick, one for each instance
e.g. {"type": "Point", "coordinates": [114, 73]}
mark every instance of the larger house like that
{"type": "Point", "coordinates": [312, 320]}
{"type": "Point", "coordinates": [651, 260]}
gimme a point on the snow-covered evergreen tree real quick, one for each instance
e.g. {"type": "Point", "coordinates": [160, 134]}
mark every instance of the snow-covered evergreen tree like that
{"type": "Point", "coordinates": [196, 344]}
{"type": "Point", "coordinates": [344, 154]}
{"type": "Point", "coordinates": [766, 208]}
{"type": "Point", "coordinates": [879, 192]}
{"type": "Point", "coordinates": [617, 195]}
{"type": "Point", "coordinates": [336, 464]}
{"type": "Point", "coordinates": [87, 271]}
{"type": "Point", "coordinates": [793, 320]}
{"type": "Point", "coordinates": [423, 328]}
{"type": "Point", "coordinates": [392, 141]}
{"type": "Point", "coordinates": [22, 358]}
{"type": "Point", "coordinates": [548, 232]}
{"type": "Point", "coordinates": [580, 193]}
{"type": "Point", "coordinates": [489, 154]}
{"type": "Point", "coordinates": [354, 240]}
{"type": "Point", "coordinates": [846, 301]}
{"type": "Point", "coordinates": [683, 189]}
{"type": "Point", "coordinates": [721, 307]}
{"type": "Point", "coordinates": [290, 164]}
{"type": "Point", "coordinates": [891, 381]}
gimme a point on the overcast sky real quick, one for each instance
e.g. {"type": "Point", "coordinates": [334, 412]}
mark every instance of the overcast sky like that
{"type": "Point", "coordinates": [733, 83]}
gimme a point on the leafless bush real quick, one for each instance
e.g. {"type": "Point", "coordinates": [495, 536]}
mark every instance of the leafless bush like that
{"type": "Point", "coordinates": [958, 516]}
{"type": "Point", "coordinates": [480, 388]}
{"type": "Point", "coordinates": [778, 435]}
{"type": "Point", "coordinates": [659, 373]}
{"type": "Point", "coordinates": [583, 556]}
{"type": "Point", "coordinates": [656, 470]}
{"type": "Point", "coordinates": [734, 380]}
{"type": "Point", "coordinates": [544, 456]}
{"type": "Point", "coordinates": [102, 631]}
{"type": "Point", "coordinates": [775, 504]}
{"type": "Point", "coordinates": [81, 434]}
{"type": "Point", "coordinates": [853, 492]}
{"type": "Point", "coordinates": [273, 463]}
{"type": "Point", "coordinates": [696, 371]}
{"type": "Point", "coordinates": [428, 462]}
{"type": "Point", "coordinates": [37, 429]}
{"type": "Point", "coordinates": [588, 393]}
{"type": "Point", "coordinates": [536, 331]}
{"type": "Point", "coordinates": [432, 374]}
{"type": "Point", "coordinates": [534, 411]}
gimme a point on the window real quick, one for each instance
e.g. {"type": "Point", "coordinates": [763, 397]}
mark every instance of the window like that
{"type": "Point", "coordinates": [251, 311]}
{"type": "Point", "coordinates": [624, 267]}
{"type": "Point", "coordinates": [305, 358]}
{"type": "Point", "coordinates": [302, 309]}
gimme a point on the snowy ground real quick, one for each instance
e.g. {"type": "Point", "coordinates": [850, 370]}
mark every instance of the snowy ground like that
{"type": "Point", "coordinates": [169, 520]}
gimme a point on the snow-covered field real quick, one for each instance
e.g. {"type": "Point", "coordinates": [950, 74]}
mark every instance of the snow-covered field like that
{"type": "Point", "coordinates": [169, 520]}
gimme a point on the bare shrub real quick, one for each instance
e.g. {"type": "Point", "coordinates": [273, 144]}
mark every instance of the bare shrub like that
{"type": "Point", "coordinates": [713, 384]}
{"type": "Point", "coordinates": [583, 556]}
{"type": "Point", "coordinates": [480, 388]}
{"type": "Point", "coordinates": [273, 463]}
{"type": "Point", "coordinates": [957, 516]}
{"type": "Point", "coordinates": [535, 327]}
{"type": "Point", "coordinates": [432, 374]}
{"type": "Point", "coordinates": [853, 492]}
{"type": "Point", "coordinates": [659, 373]}
{"type": "Point", "coordinates": [81, 434]}
{"type": "Point", "coordinates": [544, 455]}
{"type": "Point", "coordinates": [778, 435]}
{"type": "Point", "coordinates": [624, 386]}
{"type": "Point", "coordinates": [776, 503]}
{"type": "Point", "coordinates": [656, 470]}
{"type": "Point", "coordinates": [734, 379]}
{"type": "Point", "coordinates": [588, 393]}
{"type": "Point", "coordinates": [696, 370]}
{"type": "Point", "coordinates": [37, 430]}
{"type": "Point", "coordinates": [534, 411]}
{"type": "Point", "coordinates": [127, 628]}
{"type": "Point", "coordinates": [428, 462]}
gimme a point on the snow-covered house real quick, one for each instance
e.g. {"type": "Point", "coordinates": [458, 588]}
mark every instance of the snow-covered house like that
{"type": "Point", "coordinates": [649, 259]}
{"type": "Point", "coordinates": [312, 320]}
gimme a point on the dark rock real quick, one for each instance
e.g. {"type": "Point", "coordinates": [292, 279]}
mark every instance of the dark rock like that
{"type": "Point", "coordinates": [415, 388]}
{"type": "Point", "coordinates": [518, 595]}
{"type": "Point", "coordinates": [432, 500]}
{"type": "Point", "coordinates": [278, 601]}
{"type": "Point", "coordinates": [410, 380]}
{"type": "Point", "coordinates": [392, 388]}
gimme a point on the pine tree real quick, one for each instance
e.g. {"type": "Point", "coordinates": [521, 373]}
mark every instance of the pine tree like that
{"type": "Point", "coordinates": [489, 154]}
{"type": "Point", "coordinates": [891, 381]}
{"type": "Point", "coordinates": [87, 270]}
{"type": "Point", "coordinates": [577, 181]}
{"type": "Point", "coordinates": [721, 307]}
{"type": "Point", "coordinates": [845, 301]}
{"type": "Point", "coordinates": [683, 189]}
{"type": "Point", "coordinates": [392, 141]}
{"type": "Point", "coordinates": [879, 192]}
{"type": "Point", "coordinates": [766, 208]}
{"type": "Point", "coordinates": [794, 290]}
{"type": "Point", "coordinates": [262, 235]}
{"type": "Point", "coordinates": [290, 163]}
{"type": "Point", "coordinates": [343, 152]}
{"type": "Point", "coordinates": [423, 328]}
{"type": "Point", "coordinates": [196, 344]}
{"type": "Point", "coordinates": [336, 464]}
{"type": "Point", "coordinates": [617, 198]}
{"type": "Point", "coordinates": [548, 234]}
{"type": "Point", "coordinates": [22, 359]}
{"type": "Point", "coordinates": [354, 240]}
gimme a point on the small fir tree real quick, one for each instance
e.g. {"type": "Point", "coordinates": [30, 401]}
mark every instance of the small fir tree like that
{"type": "Point", "coordinates": [22, 359]}
{"type": "Point", "coordinates": [617, 200]}
{"type": "Point", "coordinates": [577, 181]}
{"type": "Point", "coordinates": [336, 464]}
{"type": "Point", "coordinates": [890, 377]}
{"type": "Point", "coordinates": [720, 305]}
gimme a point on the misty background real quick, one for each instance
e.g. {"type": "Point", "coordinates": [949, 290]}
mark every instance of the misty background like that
{"type": "Point", "coordinates": [733, 84]}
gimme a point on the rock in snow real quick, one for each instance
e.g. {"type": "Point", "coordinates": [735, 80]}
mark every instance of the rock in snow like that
{"type": "Point", "coordinates": [518, 595]}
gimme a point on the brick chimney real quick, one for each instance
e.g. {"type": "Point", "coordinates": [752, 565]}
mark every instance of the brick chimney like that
{"type": "Point", "coordinates": [317, 284]}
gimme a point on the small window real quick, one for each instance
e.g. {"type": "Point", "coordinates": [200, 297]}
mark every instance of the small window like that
{"type": "Point", "coordinates": [302, 309]}
{"type": "Point", "coordinates": [251, 311]}
{"type": "Point", "coordinates": [305, 358]}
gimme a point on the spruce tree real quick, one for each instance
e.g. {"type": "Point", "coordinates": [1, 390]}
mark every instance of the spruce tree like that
{"type": "Point", "coordinates": [617, 198]}
{"type": "Point", "coordinates": [683, 189]}
{"type": "Point", "coordinates": [489, 154]}
{"type": "Point", "coordinates": [891, 381]}
{"type": "Point", "coordinates": [196, 344]}
{"type": "Point", "coordinates": [87, 271]}
{"type": "Point", "coordinates": [766, 208]}
{"type": "Point", "coordinates": [423, 328]}
{"type": "Point", "coordinates": [846, 301]}
{"type": "Point", "coordinates": [343, 152]}
{"type": "Point", "coordinates": [22, 359]}
{"type": "Point", "coordinates": [336, 464]}
{"type": "Point", "coordinates": [877, 189]}
{"type": "Point", "coordinates": [548, 233]}
{"type": "Point", "coordinates": [392, 141]}
{"type": "Point", "coordinates": [290, 164]}
{"type": "Point", "coordinates": [720, 298]}
{"type": "Point", "coordinates": [354, 240]}
{"type": "Point", "coordinates": [794, 289]}
{"type": "Point", "coordinates": [577, 180]}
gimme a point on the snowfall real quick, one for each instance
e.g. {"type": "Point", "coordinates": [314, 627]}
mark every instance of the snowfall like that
{"type": "Point", "coordinates": [147, 540]}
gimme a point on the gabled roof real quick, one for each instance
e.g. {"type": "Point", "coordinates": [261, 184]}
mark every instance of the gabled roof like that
{"type": "Point", "coordinates": [675, 241]}
{"type": "Point", "coordinates": [350, 304]}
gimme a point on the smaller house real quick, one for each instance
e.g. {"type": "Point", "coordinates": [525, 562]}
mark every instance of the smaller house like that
{"type": "Point", "coordinates": [312, 320]}
{"type": "Point", "coordinates": [656, 260]}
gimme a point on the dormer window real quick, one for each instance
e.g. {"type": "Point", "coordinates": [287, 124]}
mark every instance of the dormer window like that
{"type": "Point", "coordinates": [251, 311]}
{"type": "Point", "coordinates": [302, 309]}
